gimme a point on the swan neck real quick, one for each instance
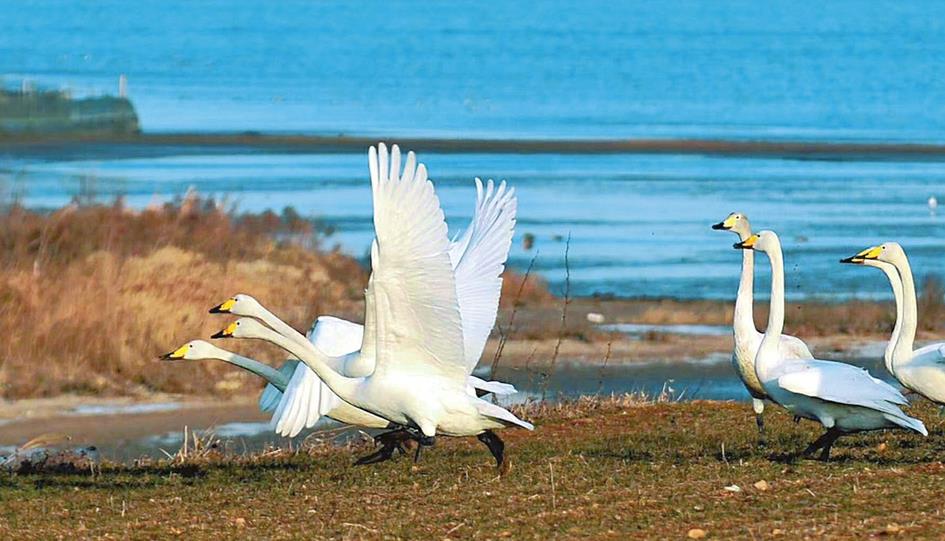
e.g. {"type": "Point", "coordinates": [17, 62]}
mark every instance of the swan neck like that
{"type": "Point", "coordinates": [744, 323]}
{"type": "Point", "coordinates": [281, 327]}
{"type": "Point", "coordinates": [319, 362]}
{"type": "Point", "coordinates": [268, 373]}
{"type": "Point", "coordinates": [768, 351]}
{"type": "Point", "coordinates": [896, 282]}
{"type": "Point", "coordinates": [910, 314]}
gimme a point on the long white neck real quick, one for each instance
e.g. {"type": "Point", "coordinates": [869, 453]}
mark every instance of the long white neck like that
{"type": "Point", "coordinates": [283, 328]}
{"type": "Point", "coordinates": [316, 360]}
{"type": "Point", "coordinates": [767, 357]}
{"type": "Point", "coordinates": [902, 353]}
{"type": "Point", "coordinates": [744, 322]}
{"type": "Point", "coordinates": [263, 370]}
{"type": "Point", "coordinates": [896, 282]}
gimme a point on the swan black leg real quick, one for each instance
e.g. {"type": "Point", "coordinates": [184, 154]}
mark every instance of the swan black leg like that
{"type": "Point", "coordinates": [762, 436]}
{"type": "Point", "coordinates": [423, 441]}
{"type": "Point", "coordinates": [833, 435]}
{"type": "Point", "coordinates": [389, 442]}
{"type": "Point", "coordinates": [496, 446]}
{"type": "Point", "coordinates": [825, 441]}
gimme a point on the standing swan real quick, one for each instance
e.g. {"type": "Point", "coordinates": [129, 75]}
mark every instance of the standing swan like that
{"type": "Point", "coordinates": [921, 370]}
{"type": "Point", "coordinates": [841, 397]}
{"type": "Point", "coordinates": [747, 337]}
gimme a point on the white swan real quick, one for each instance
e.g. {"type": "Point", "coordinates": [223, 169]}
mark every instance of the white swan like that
{"type": "Point", "coordinates": [921, 370]}
{"type": "Point", "coordinates": [197, 350]}
{"type": "Point", "coordinates": [478, 260]}
{"type": "Point", "coordinates": [747, 338]}
{"type": "Point", "coordinates": [841, 397]}
{"type": "Point", "coordinates": [413, 327]}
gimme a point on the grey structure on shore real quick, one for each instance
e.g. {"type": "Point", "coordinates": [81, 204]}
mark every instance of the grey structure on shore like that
{"type": "Point", "coordinates": [31, 111]}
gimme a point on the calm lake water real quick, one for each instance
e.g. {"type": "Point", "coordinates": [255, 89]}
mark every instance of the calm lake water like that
{"type": "Point", "coordinates": [825, 70]}
{"type": "Point", "coordinates": [639, 225]}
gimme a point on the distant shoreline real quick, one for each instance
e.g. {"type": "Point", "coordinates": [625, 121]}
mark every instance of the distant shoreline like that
{"type": "Point", "coordinates": [67, 146]}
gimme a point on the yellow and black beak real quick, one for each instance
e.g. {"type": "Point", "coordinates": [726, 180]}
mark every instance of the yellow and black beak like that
{"type": "Point", "coordinates": [223, 308]}
{"type": "Point", "coordinates": [747, 244]}
{"type": "Point", "coordinates": [227, 332]}
{"type": "Point", "coordinates": [869, 253]}
{"type": "Point", "coordinates": [727, 224]}
{"type": "Point", "coordinates": [176, 354]}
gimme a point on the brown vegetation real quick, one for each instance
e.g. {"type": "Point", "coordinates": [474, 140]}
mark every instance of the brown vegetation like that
{"type": "Point", "coordinates": [89, 296]}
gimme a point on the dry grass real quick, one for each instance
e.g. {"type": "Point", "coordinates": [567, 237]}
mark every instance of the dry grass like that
{"type": "Point", "coordinates": [610, 469]}
{"type": "Point", "coordinates": [89, 296]}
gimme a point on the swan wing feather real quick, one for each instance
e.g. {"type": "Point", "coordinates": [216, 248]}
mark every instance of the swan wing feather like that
{"type": "Point", "coordinates": [418, 325]}
{"type": "Point", "coordinates": [478, 260]}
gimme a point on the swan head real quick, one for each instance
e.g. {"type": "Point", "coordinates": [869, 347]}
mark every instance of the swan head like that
{"type": "Point", "coordinates": [737, 223]}
{"type": "Point", "coordinates": [243, 327]}
{"type": "Point", "coordinates": [766, 241]}
{"type": "Point", "coordinates": [192, 351]}
{"type": "Point", "coordinates": [239, 304]}
{"type": "Point", "coordinates": [887, 252]}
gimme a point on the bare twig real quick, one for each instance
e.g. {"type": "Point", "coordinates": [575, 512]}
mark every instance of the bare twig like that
{"type": "Point", "coordinates": [603, 366]}
{"type": "Point", "coordinates": [564, 319]}
{"type": "Point", "coordinates": [503, 335]}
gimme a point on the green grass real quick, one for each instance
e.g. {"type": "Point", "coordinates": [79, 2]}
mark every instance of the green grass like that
{"type": "Point", "coordinates": [593, 470]}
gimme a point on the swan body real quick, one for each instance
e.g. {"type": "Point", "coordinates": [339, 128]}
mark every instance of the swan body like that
{"type": "Point", "coordinates": [747, 339]}
{"type": "Point", "coordinates": [921, 370]}
{"type": "Point", "coordinates": [842, 397]}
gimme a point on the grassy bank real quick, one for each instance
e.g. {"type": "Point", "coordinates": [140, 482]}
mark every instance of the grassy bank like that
{"type": "Point", "coordinates": [612, 469]}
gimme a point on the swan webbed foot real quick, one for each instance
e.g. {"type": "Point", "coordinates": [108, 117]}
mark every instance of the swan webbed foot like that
{"type": "Point", "coordinates": [381, 455]}
{"type": "Point", "coordinates": [797, 419]}
{"type": "Point", "coordinates": [496, 447]}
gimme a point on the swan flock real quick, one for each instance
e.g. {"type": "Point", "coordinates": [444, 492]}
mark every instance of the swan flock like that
{"type": "Point", "coordinates": [431, 302]}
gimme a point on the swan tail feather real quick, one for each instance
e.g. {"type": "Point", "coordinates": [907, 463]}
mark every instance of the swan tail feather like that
{"type": "Point", "coordinates": [491, 410]}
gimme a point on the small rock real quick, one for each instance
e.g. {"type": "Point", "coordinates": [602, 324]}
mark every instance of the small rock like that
{"type": "Point", "coordinates": [776, 532]}
{"type": "Point", "coordinates": [762, 485]}
{"type": "Point", "coordinates": [594, 317]}
{"type": "Point", "coordinates": [882, 447]}
{"type": "Point", "coordinates": [733, 488]}
{"type": "Point", "coordinates": [240, 521]}
{"type": "Point", "coordinates": [696, 533]}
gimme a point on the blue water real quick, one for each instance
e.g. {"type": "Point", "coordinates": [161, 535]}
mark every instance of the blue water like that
{"type": "Point", "coordinates": [639, 224]}
{"type": "Point", "coordinates": [825, 70]}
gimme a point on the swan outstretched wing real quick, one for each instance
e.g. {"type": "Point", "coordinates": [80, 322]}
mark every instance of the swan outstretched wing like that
{"type": "Point", "coordinates": [843, 384]}
{"type": "Point", "coordinates": [418, 323]}
{"type": "Point", "coordinates": [478, 257]}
